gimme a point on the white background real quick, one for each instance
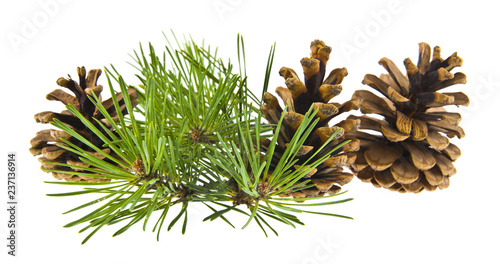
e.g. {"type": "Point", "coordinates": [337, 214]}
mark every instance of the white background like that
{"type": "Point", "coordinates": [41, 42]}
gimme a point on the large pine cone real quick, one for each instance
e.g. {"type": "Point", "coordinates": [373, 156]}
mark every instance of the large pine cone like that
{"type": "Point", "coordinates": [45, 142]}
{"type": "Point", "coordinates": [410, 150]}
{"type": "Point", "coordinates": [299, 96]}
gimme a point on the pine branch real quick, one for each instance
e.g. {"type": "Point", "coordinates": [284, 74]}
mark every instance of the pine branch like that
{"type": "Point", "coordinates": [194, 137]}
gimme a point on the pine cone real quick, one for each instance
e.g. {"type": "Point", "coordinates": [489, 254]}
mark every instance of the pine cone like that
{"type": "Point", "coordinates": [328, 176]}
{"type": "Point", "coordinates": [45, 142]}
{"type": "Point", "coordinates": [410, 150]}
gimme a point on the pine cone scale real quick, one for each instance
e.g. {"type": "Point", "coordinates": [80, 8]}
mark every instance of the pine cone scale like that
{"type": "Point", "coordinates": [380, 156]}
{"type": "Point", "coordinates": [404, 172]}
{"type": "Point", "coordinates": [384, 178]}
{"type": "Point", "coordinates": [397, 76]}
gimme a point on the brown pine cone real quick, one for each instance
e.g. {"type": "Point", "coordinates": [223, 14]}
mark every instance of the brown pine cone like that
{"type": "Point", "coordinates": [45, 142]}
{"type": "Point", "coordinates": [408, 150]}
{"type": "Point", "coordinates": [299, 96]}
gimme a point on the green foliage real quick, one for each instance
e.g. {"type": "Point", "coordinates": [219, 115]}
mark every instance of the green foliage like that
{"type": "Point", "coordinates": [193, 138]}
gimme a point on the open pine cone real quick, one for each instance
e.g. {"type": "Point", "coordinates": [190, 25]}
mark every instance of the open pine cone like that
{"type": "Point", "coordinates": [410, 150]}
{"type": "Point", "coordinates": [299, 96]}
{"type": "Point", "coordinates": [45, 142]}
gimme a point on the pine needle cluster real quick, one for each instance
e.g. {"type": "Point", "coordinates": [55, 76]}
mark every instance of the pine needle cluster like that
{"type": "Point", "coordinates": [191, 134]}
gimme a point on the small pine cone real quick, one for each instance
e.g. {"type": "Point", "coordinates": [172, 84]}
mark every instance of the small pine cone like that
{"type": "Point", "coordinates": [409, 149]}
{"type": "Point", "coordinates": [299, 96]}
{"type": "Point", "coordinates": [45, 142]}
